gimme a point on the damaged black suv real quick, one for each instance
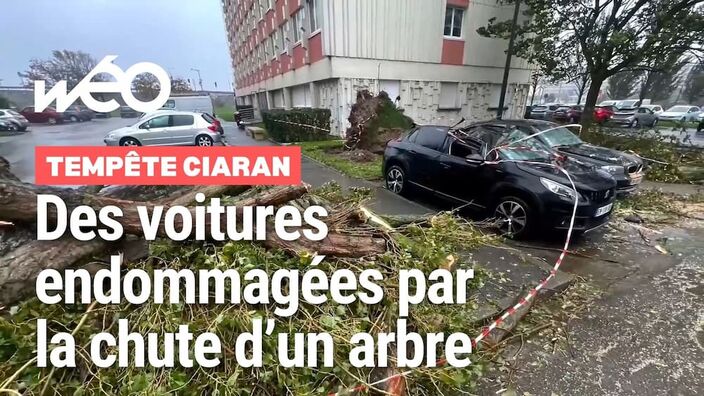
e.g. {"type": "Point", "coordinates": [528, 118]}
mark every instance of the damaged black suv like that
{"type": "Point", "coordinates": [516, 185]}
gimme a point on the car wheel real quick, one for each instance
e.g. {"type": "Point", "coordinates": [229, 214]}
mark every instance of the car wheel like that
{"type": "Point", "coordinates": [129, 142]}
{"type": "Point", "coordinates": [635, 124]}
{"type": "Point", "coordinates": [513, 216]}
{"type": "Point", "coordinates": [204, 141]}
{"type": "Point", "coordinates": [12, 127]}
{"type": "Point", "coordinates": [396, 180]}
{"type": "Point", "coordinates": [52, 121]}
{"type": "Point", "coordinates": [74, 119]}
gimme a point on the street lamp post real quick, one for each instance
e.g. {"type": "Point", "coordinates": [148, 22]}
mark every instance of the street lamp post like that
{"type": "Point", "coordinates": [200, 80]}
{"type": "Point", "coordinates": [507, 68]}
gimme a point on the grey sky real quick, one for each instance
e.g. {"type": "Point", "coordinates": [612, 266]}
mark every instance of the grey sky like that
{"type": "Point", "coordinates": [176, 34]}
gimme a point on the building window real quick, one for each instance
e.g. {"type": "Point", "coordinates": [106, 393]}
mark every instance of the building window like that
{"type": "Point", "coordinates": [314, 14]}
{"type": "Point", "coordinates": [300, 96]}
{"type": "Point", "coordinates": [298, 26]}
{"type": "Point", "coordinates": [282, 38]}
{"type": "Point", "coordinates": [271, 44]}
{"type": "Point", "coordinates": [449, 95]}
{"type": "Point", "coordinates": [453, 22]}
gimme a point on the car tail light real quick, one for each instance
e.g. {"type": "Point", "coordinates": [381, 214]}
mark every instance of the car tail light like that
{"type": "Point", "coordinates": [213, 127]}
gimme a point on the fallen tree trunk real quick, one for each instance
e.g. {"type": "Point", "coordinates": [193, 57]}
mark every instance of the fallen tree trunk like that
{"type": "Point", "coordinates": [26, 258]}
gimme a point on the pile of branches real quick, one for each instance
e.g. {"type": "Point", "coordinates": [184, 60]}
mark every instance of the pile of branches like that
{"type": "Point", "coordinates": [665, 161]}
{"type": "Point", "coordinates": [353, 242]}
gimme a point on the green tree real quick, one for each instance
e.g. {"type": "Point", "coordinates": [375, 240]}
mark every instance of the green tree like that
{"type": "Point", "coordinates": [663, 78]}
{"type": "Point", "coordinates": [64, 65]}
{"type": "Point", "coordinates": [611, 35]}
{"type": "Point", "coordinates": [148, 86]}
{"type": "Point", "coordinates": [180, 85]}
{"type": "Point", "coordinates": [623, 85]}
{"type": "Point", "coordinates": [5, 103]}
{"type": "Point", "coordinates": [694, 85]}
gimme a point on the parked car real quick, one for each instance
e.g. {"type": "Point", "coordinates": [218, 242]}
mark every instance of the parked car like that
{"type": "Point", "coordinates": [524, 197]}
{"type": "Point", "coordinates": [49, 115]}
{"type": "Point", "coordinates": [634, 118]}
{"type": "Point", "coordinates": [15, 120]}
{"type": "Point", "coordinates": [603, 114]}
{"type": "Point", "coordinates": [197, 104]}
{"type": "Point", "coordinates": [78, 114]}
{"type": "Point", "coordinates": [657, 109]}
{"type": "Point", "coordinates": [626, 169]}
{"type": "Point", "coordinates": [175, 128]}
{"type": "Point", "coordinates": [544, 112]}
{"type": "Point", "coordinates": [608, 103]}
{"type": "Point", "coordinates": [571, 114]}
{"type": "Point", "coordinates": [627, 104]}
{"type": "Point", "coordinates": [682, 113]}
{"type": "Point", "coordinates": [128, 112]}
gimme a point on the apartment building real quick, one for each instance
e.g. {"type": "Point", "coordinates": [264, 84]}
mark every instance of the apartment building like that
{"type": "Point", "coordinates": [426, 54]}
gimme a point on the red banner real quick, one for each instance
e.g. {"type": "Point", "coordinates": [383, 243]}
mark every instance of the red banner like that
{"type": "Point", "coordinates": [229, 165]}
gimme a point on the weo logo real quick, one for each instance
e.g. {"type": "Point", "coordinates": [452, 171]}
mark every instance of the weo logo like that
{"type": "Point", "coordinates": [122, 85]}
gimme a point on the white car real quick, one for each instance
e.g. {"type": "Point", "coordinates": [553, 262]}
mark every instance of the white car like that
{"type": "Point", "coordinates": [681, 113]}
{"type": "Point", "coordinates": [657, 109]}
{"type": "Point", "coordinates": [172, 128]}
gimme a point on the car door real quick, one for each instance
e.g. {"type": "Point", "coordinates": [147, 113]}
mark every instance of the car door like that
{"type": "Point", "coordinates": [693, 114]}
{"type": "Point", "coordinates": [462, 172]}
{"type": "Point", "coordinates": [181, 130]}
{"type": "Point", "coordinates": [424, 150]}
{"type": "Point", "coordinates": [29, 114]}
{"type": "Point", "coordinates": [154, 131]}
{"type": "Point", "coordinates": [646, 116]}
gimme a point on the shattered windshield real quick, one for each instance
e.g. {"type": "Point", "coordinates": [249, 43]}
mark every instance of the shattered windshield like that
{"type": "Point", "coordinates": [561, 136]}
{"type": "Point", "coordinates": [523, 150]}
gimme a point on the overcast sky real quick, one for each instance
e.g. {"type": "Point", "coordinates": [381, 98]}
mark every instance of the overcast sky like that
{"type": "Point", "coordinates": [176, 34]}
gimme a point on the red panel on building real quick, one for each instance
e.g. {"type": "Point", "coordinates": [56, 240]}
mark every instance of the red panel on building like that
{"type": "Point", "coordinates": [453, 52]}
{"type": "Point", "coordinates": [280, 11]}
{"type": "Point", "coordinates": [285, 63]}
{"type": "Point", "coordinates": [274, 67]}
{"type": "Point", "coordinates": [299, 56]}
{"type": "Point", "coordinates": [270, 21]}
{"type": "Point", "coordinates": [458, 3]}
{"type": "Point", "coordinates": [315, 47]}
{"type": "Point", "coordinates": [262, 30]}
{"type": "Point", "coordinates": [294, 5]}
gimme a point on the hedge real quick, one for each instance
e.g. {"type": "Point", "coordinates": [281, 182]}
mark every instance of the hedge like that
{"type": "Point", "coordinates": [289, 126]}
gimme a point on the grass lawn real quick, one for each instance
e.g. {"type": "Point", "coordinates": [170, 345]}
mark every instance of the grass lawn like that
{"type": "Point", "coordinates": [677, 124]}
{"type": "Point", "coordinates": [327, 152]}
{"type": "Point", "coordinates": [226, 113]}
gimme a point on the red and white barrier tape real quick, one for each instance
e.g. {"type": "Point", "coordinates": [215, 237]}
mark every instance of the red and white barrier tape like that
{"type": "Point", "coordinates": [510, 311]}
{"type": "Point", "coordinates": [302, 125]}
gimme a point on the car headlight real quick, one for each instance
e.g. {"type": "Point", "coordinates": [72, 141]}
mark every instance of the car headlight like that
{"type": "Point", "coordinates": [614, 169]}
{"type": "Point", "coordinates": [110, 136]}
{"type": "Point", "coordinates": [559, 189]}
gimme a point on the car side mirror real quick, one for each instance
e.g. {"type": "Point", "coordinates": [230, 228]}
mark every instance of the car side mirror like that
{"type": "Point", "coordinates": [475, 159]}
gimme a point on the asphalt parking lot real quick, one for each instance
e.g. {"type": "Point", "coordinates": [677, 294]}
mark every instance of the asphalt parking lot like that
{"type": "Point", "coordinates": [18, 147]}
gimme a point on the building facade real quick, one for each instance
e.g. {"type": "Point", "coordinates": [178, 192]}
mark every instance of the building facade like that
{"type": "Point", "coordinates": [426, 54]}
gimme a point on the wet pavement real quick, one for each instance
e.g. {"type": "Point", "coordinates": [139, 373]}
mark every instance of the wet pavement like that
{"type": "Point", "coordinates": [643, 336]}
{"type": "Point", "coordinates": [19, 148]}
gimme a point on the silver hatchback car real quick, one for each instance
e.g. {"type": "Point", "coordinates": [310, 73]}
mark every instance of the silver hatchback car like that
{"type": "Point", "coordinates": [172, 128]}
{"type": "Point", "coordinates": [14, 120]}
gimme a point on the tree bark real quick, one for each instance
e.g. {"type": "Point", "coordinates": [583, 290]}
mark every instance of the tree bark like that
{"type": "Point", "coordinates": [589, 105]}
